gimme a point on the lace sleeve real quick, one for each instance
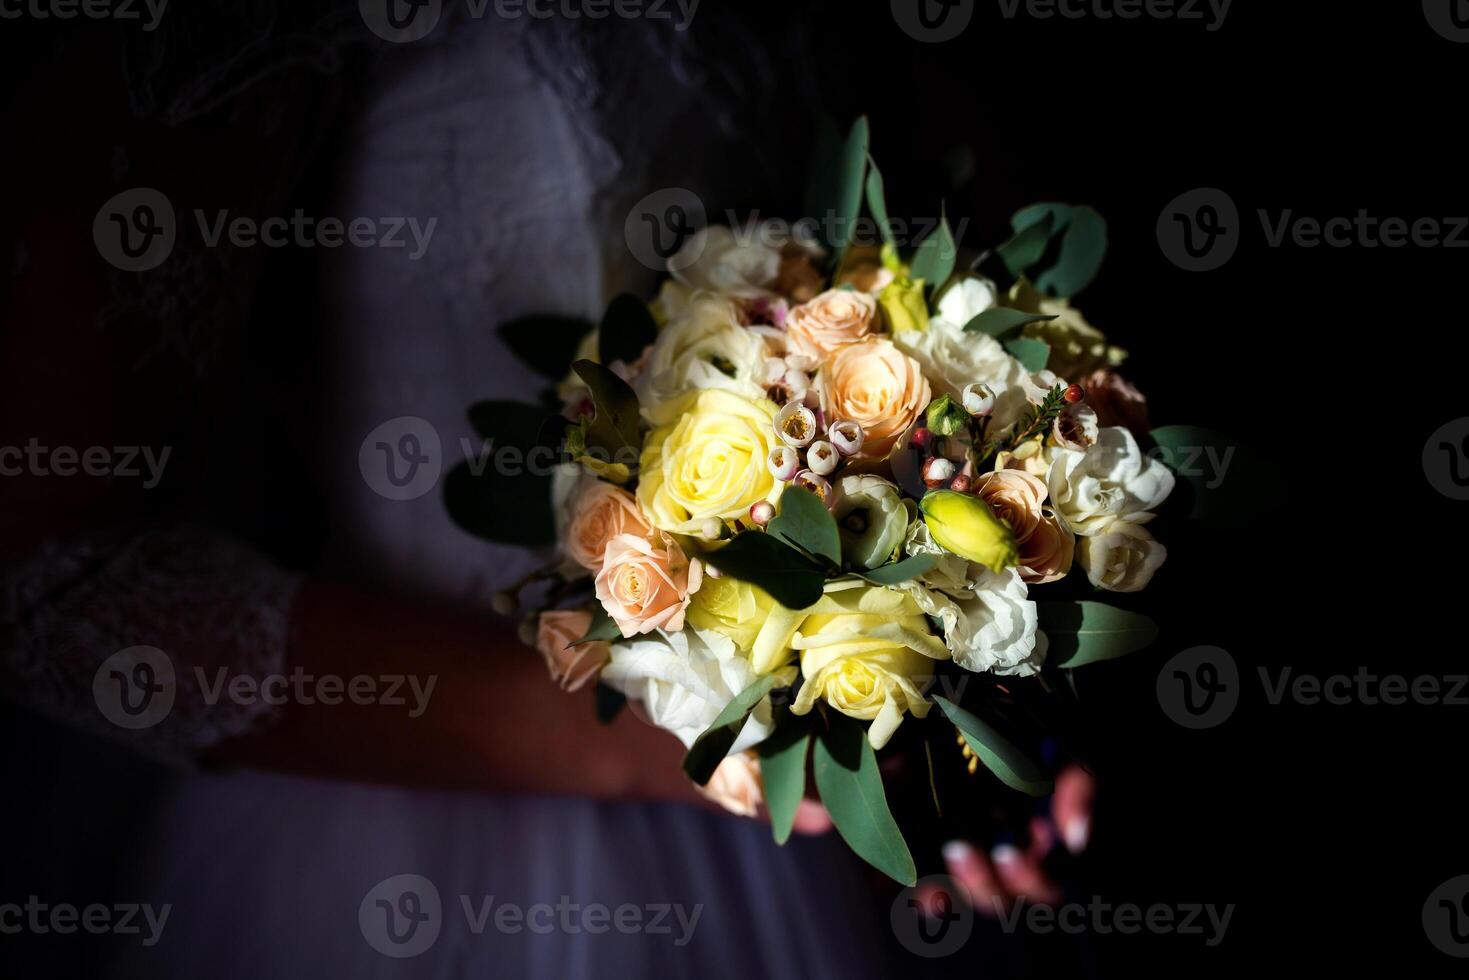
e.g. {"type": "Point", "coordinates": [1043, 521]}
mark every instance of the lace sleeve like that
{"type": "Point", "coordinates": [138, 636]}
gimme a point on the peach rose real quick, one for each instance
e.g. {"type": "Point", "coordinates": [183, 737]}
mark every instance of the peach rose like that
{"type": "Point", "coordinates": [599, 514]}
{"type": "Point", "coordinates": [863, 270]}
{"type": "Point", "coordinates": [877, 386]}
{"type": "Point", "coordinates": [834, 319]}
{"type": "Point", "coordinates": [736, 785]}
{"type": "Point", "coordinates": [646, 585]}
{"type": "Point", "coordinates": [570, 666]}
{"type": "Point", "coordinates": [1046, 547]}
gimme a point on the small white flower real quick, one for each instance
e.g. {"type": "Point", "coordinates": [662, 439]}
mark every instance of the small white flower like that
{"type": "Point", "coordinates": [979, 399]}
{"type": "Point", "coordinates": [796, 425]}
{"type": "Point", "coordinates": [822, 457]}
{"type": "Point", "coordinates": [784, 463]}
{"type": "Point", "coordinates": [847, 436]}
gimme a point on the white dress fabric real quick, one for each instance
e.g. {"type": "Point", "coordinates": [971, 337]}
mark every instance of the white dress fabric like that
{"type": "Point", "coordinates": [527, 146]}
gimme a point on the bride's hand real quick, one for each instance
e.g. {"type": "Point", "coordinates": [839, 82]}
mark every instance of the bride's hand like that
{"type": "Point", "coordinates": [1008, 872]}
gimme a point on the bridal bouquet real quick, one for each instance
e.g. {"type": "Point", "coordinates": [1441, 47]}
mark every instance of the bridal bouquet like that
{"type": "Point", "coordinates": [816, 488]}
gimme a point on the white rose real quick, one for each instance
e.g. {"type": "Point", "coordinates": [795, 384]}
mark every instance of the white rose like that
{"type": "Point", "coordinates": [704, 347]}
{"type": "Point", "coordinates": [716, 260]}
{"type": "Point", "coordinates": [1122, 558]}
{"type": "Point", "coordinates": [965, 300]}
{"type": "Point", "coordinates": [1110, 481]}
{"type": "Point", "coordinates": [990, 626]}
{"type": "Point", "coordinates": [682, 681]}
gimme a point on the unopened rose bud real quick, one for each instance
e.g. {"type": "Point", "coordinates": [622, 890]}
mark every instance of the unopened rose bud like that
{"type": "Point", "coordinates": [1074, 394]}
{"type": "Point", "coordinates": [847, 436]}
{"type": "Point", "coordinates": [796, 425]}
{"type": "Point", "coordinates": [711, 572]}
{"type": "Point", "coordinates": [814, 483]}
{"type": "Point", "coordinates": [937, 472]}
{"type": "Point", "coordinates": [712, 529]}
{"type": "Point", "coordinates": [961, 483]}
{"type": "Point", "coordinates": [822, 457]}
{"type": "Point", "coordinates": [784, 463]}
{"type": "Point", "coordinates": [527, 631]}
{"type": "Point", "coordinates": [979, 399]}
{"type": "Point", "coordinates": [761, 511]}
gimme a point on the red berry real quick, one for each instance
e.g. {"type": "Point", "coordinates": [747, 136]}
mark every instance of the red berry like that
{"type": "Point", "coordinates": [922, 438]}
{"type": "Point", "coordinates": [961, 483]}
{"type": "Point", "coordinates": [1074, 394]}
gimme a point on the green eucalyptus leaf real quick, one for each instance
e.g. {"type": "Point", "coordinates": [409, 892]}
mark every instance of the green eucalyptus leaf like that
{"type": "Point", "coordinates": [1085, 632]}
{"type": "Point", "coordinates": [1219, 480]}
{"type": "Point", "coordinates": [1033, 354]}
{"type": "Point", "coordinates": [1003, 323]}
{"type": "Point", "coordinates": [614, 428]}
{"type": "Point", "coordinates": [936, 256]}
{"type": "Point", "coordinates": [602, 627]}
{"type": "Point", "coordinates": [1083, 246]}
{"type": "Point", "coordinates": [877, 202]}
{"type": "Point", "coordinates": [997, 752]}
{"type": "Point", "coordinates": [1028, 244]}
{"type": "Point", "coordinates": [900, 571]}
{"type": "Point", "coordinates": [710, 748]}
{"type": "Point", "coordinates": [851, 790]}
{"type": "Point", "coordinates": [804, 521]}
{"type": "Point", "coordinates": [792, 579]}
{"type": "Point", "coordinates": [783, 771]}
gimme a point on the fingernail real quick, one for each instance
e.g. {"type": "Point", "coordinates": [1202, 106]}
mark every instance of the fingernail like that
{"type": "Point", "coordinates": [958, 852]}
{"type": "Point", "coordinates": [1005, 854]}
{"type": "Point", "coordinates": [1076, 833]}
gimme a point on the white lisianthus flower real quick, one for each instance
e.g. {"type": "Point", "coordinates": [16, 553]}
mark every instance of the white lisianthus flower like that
{"type": "Point", "coordinates": [717, 260]}
{"type": "Point", "coordinates": [871, 519]}
{"type": "Point", "coordinates": [965, 300]}
{"type": "Point", "coordinates": [1112, 480]}
{"type": "Point", "coordinates": [989, 626]}
{"type": "Point", "coordinates": [1122, 558]}
{"type": "Point", "coordinates": [682, 681]}
{"type": "Point", "coordinates": [704, 347]}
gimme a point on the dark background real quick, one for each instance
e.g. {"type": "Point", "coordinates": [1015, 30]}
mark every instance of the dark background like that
{"type": "Point", "coordinates": [1327, 826]}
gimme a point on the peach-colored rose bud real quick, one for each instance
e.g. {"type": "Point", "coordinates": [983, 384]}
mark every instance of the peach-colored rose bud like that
{"type": "Point", "coordinates": [646, 585]}
{"type": "Point", "coordinates": [847, 436]}
{"type": "Point", "coordinates": [736, 785]}
{"type": "Point", "coordinates": [1046, 547]}
{"type": "Point", "coordinates": [822, 457]}
{"type": "Point", "coordinates": [796, 425]}
{"type": "Point", "coordinates": [599, 514]}
{"type": "Point", "coordinates": [784, 463]}
{"type": "Point", "coordinates": [570, 666]}
{"type": "Point", "coordinates": [834, 319]}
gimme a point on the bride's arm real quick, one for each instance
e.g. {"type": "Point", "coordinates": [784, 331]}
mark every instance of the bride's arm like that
{"type": "Point", "coordinates": [491, 720]}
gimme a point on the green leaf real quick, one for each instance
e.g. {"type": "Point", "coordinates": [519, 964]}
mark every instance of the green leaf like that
{"type": "Point", "coordinates": [997, 752]}
{"type": "Point", "coordinates": [877, 202]}
{"type": "Point", "coordinates": [609, 701]}
{"type": "Point", "coordinates": [851, 789]}
{"type": "Point", "coordinates": [627, 327]}
{"type": "Point", "coordinates": [499, 507]}
{"type": "Point", "coordinates": [835, 184]}
{"type": "Point", "coordinates": [804, 521]}
{"type": "Point", "coordinates": [1001, 322]}
{"type": "Point", "coordinates": [783, 771]}
{"type": "Point", "coordinates": [1086, 632]}
{"type": "Point", "coordinates": [602, 627]}
{"type": "Point", "coordinates": [1219, 480]}
{"type": "Point", "coordinates": [1033, 354]}
{"type": "Point", "coordinates": [614, 429]}
{"type": "Point", "coordinates": [900, 571]}
{"type": "Point", "coordinates": [1083, 245]}
{"type": "Point", "coordinates": [936, 256]}
{"type": "Point", "coordinates": [792, 579]}
{"type": "Point", "coordinates": [710, 748]}
{"type": "Point", "coordinates": [546, 343]}
{"type": "Point", "coordinates": [1026, 247]}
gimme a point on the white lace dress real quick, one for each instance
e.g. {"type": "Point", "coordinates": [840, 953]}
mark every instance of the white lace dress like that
{"type": "Point", "coordinates": [527, 143]}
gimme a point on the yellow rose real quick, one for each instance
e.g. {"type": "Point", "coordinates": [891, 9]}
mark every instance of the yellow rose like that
{"type": "Point", "coordinates": [736, 609]}
{"type": "Point", "coordinates": [964, 524]}
{"type": "Point", "coordinates": [709, 464]}
{"type": "Point", "coordinates": [866, 651]}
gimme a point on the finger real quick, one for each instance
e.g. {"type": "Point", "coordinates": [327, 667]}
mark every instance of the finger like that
{"type": "Point", "coordinates": [812, 819]}
{"type": "Point", "coordinates": [1071, 807]}
{"type": "Point", "coordinates": [972, 870]}
{"type": "Point", "coordinates": [1022, 875]}
{"type": "Point", "coordinates": [1042, 838]}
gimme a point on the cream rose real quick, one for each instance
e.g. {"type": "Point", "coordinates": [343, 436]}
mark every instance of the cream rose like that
{"type": "Point", "coordinates": [736, 785]}
{"type": "Point", "coordinates": [732, 607]}
{"type": "Point", "coordinates": [716, 260]}
{"type": "Point", "coordinates": [1121, 558]}
{"type": "Point", "coordinates": [570, 666]}
{"type": "Point", "coordinates": [1111, 481]}
{"type": "Point", "coordinates": [600, 512]}
{"type": "Point", "coordinates": [645, 585]}
{"type": "Point", "coordinates": [1016, 497]}
{"type": "Point", "coordinates": [877, 386]}
{"type": "Point", "coordinates": [702, 348]}
{"type": "Point", "coordinates": [682, 681]}
{"type": "Point", "coordinates": [834, 319]}
{"type": "Point", "coordinates": [708, 464]}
